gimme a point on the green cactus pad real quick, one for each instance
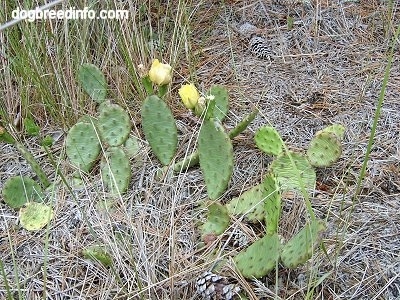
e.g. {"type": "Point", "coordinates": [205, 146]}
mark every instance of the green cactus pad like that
{"type": "Point", "coordinates": [98, 253]}
{"type": "Point", "coordinates": [337, 129]}
{"type": "Point", "coordinates": [159, 128]}
{"type": "Point", "coordinates": [116, 170]}
{"type": "Point", "coordinates": [217, 220]}
{"type": "Point", "coordinates": [216, 157]}
{"type": "Point", "coordinates": [35, 216]}
{"type": "Point", "coordinates": [324, 149]}
{"type": "Point", "coordinates": [259, 258]}
{"type": "Point", "coordinates": [21, 189]}
{"type": "Point", "coordinates": [82, 146]}
{"type": "Point", "coordinates": [301, 247]}
{"type": "Point", "coordinates": [287, 176]}
{"type": "Point", "coordinates": [250, 203]}
{"type": "Point", "coordinates": [272, 204]}
{"type": "Point", "coordinates": [132, 146]}
{"type": "Point", "coordinates": [269, 140]}
{"type": "Point", "coordinates": [114, 125]}
{"type": "Point", "coordinates": [221, 99]}
{"type": "Point", "coordinates": [93, 82]}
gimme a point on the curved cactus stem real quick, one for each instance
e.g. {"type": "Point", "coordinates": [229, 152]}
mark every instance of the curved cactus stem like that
{"type": "Point", "coordinates": [242, 125]}
{"type": "Point", "coordinates": [272, 205]}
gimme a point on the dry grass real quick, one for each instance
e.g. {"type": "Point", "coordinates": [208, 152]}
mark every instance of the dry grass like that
{"type": "Point", "coordinates": [328, 68]}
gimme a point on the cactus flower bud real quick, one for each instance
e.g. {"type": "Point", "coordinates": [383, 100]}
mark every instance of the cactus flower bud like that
{"type": "Point", "coordinates": [189, 95]}
{"type": "Point", "coordinates": [160, 73]}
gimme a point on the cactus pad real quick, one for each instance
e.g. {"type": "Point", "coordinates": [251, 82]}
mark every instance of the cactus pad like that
{"type": "Point", "coordinates": [116, 170]}
{"type": "Point", "coordinates": [268, 140]}
{"type": "Point", "coordinates": [159, 128]}
{"type": "Point", "coordinates": [259, 258]}
{"type": "Point", "coordinates": [114, 125]}
{"type": "Point", "coordinates": [337, 129]}
{"type": "Point", "coordinates": [97, 253]}
{"type": "Point", "coordinates": [272, 204]}
{"type": "Point", "coordinates": [21, 189]}
{"type": "Point", "coordinates": [250, 203]}
{"type": "Point", "coordinates": [35, 216]}
{"type": "Point", "coordinates": [93, 82]}
{"type": "Point", "coordinates": [287, 175]}
{"type": "Point", "coordinates": [216, 157]}
{"type": "Point", "coordinates": [132, 146]}
{"type": "Point", "coordinates": [325, 148]}
{"type": "Point", "coordinates": [82, 146]}
{"type": "Point", "coordinates": [217, 220]}
{"type": "Point", "coordinates": [221, 99]}
{"type": "Point", "coordinates": [301, 247]}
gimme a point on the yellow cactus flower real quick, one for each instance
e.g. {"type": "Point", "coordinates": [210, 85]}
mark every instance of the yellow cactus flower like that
{"type": "Point", "coordinates": [160, 73]}
{"type": "Point", "coordinates": [189, 95]}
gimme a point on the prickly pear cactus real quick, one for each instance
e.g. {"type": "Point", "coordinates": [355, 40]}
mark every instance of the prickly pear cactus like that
{"type": "Point", "coordinates": [269, 140]}
{"type": "Point", "coordinates": [34, 216]}
{"type": "Point", "coordinates": [159, 128]}
{"type": "Point", "coordinates": [287, 174]}
{"type": "Point", "coordinates": [324, 149]}
{"type": "Point", "coordinates": [272, 204]}
{"type": "Point", "coordinates": [216, 157]}
{"type": "Point", "coordinates": [221, 99]}
{"type": "Point", "coordinates": [217, 220]}
{"type": "Point", "coordinates": [116, 170]}
{"type": "Point", "coordinates": [250, 203]}
{"type": "Point", "coordinates": [336, 129]}
{"type": "Point", "coordinates": [131, 146]}
{"type": "Point", "coordinates": [114, 125]}
{"type": "Point", "coordinates": [301, 247]}
{"type": "Point", "coordinates": [21, 189]}
{"type": "Point", "coordinates": [98, 253]}
{"type": "Point", "coordinates": [260, 257]}
{"type": "Point", "coordinates": [82, 145]}
{"type": "Point", "coordinates": [93, 82]}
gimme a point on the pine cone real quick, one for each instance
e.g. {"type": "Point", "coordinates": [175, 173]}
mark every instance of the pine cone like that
{"type": "Point", "coordinates": [214, 287]}
{"type": "Point", "coordinates": [259, 47]}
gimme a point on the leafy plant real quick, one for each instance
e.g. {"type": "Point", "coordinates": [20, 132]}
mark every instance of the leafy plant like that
{"type": "Point", "coordinates": [108, 132]}
{"type": "Point", "coordinates": [289, 171]}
